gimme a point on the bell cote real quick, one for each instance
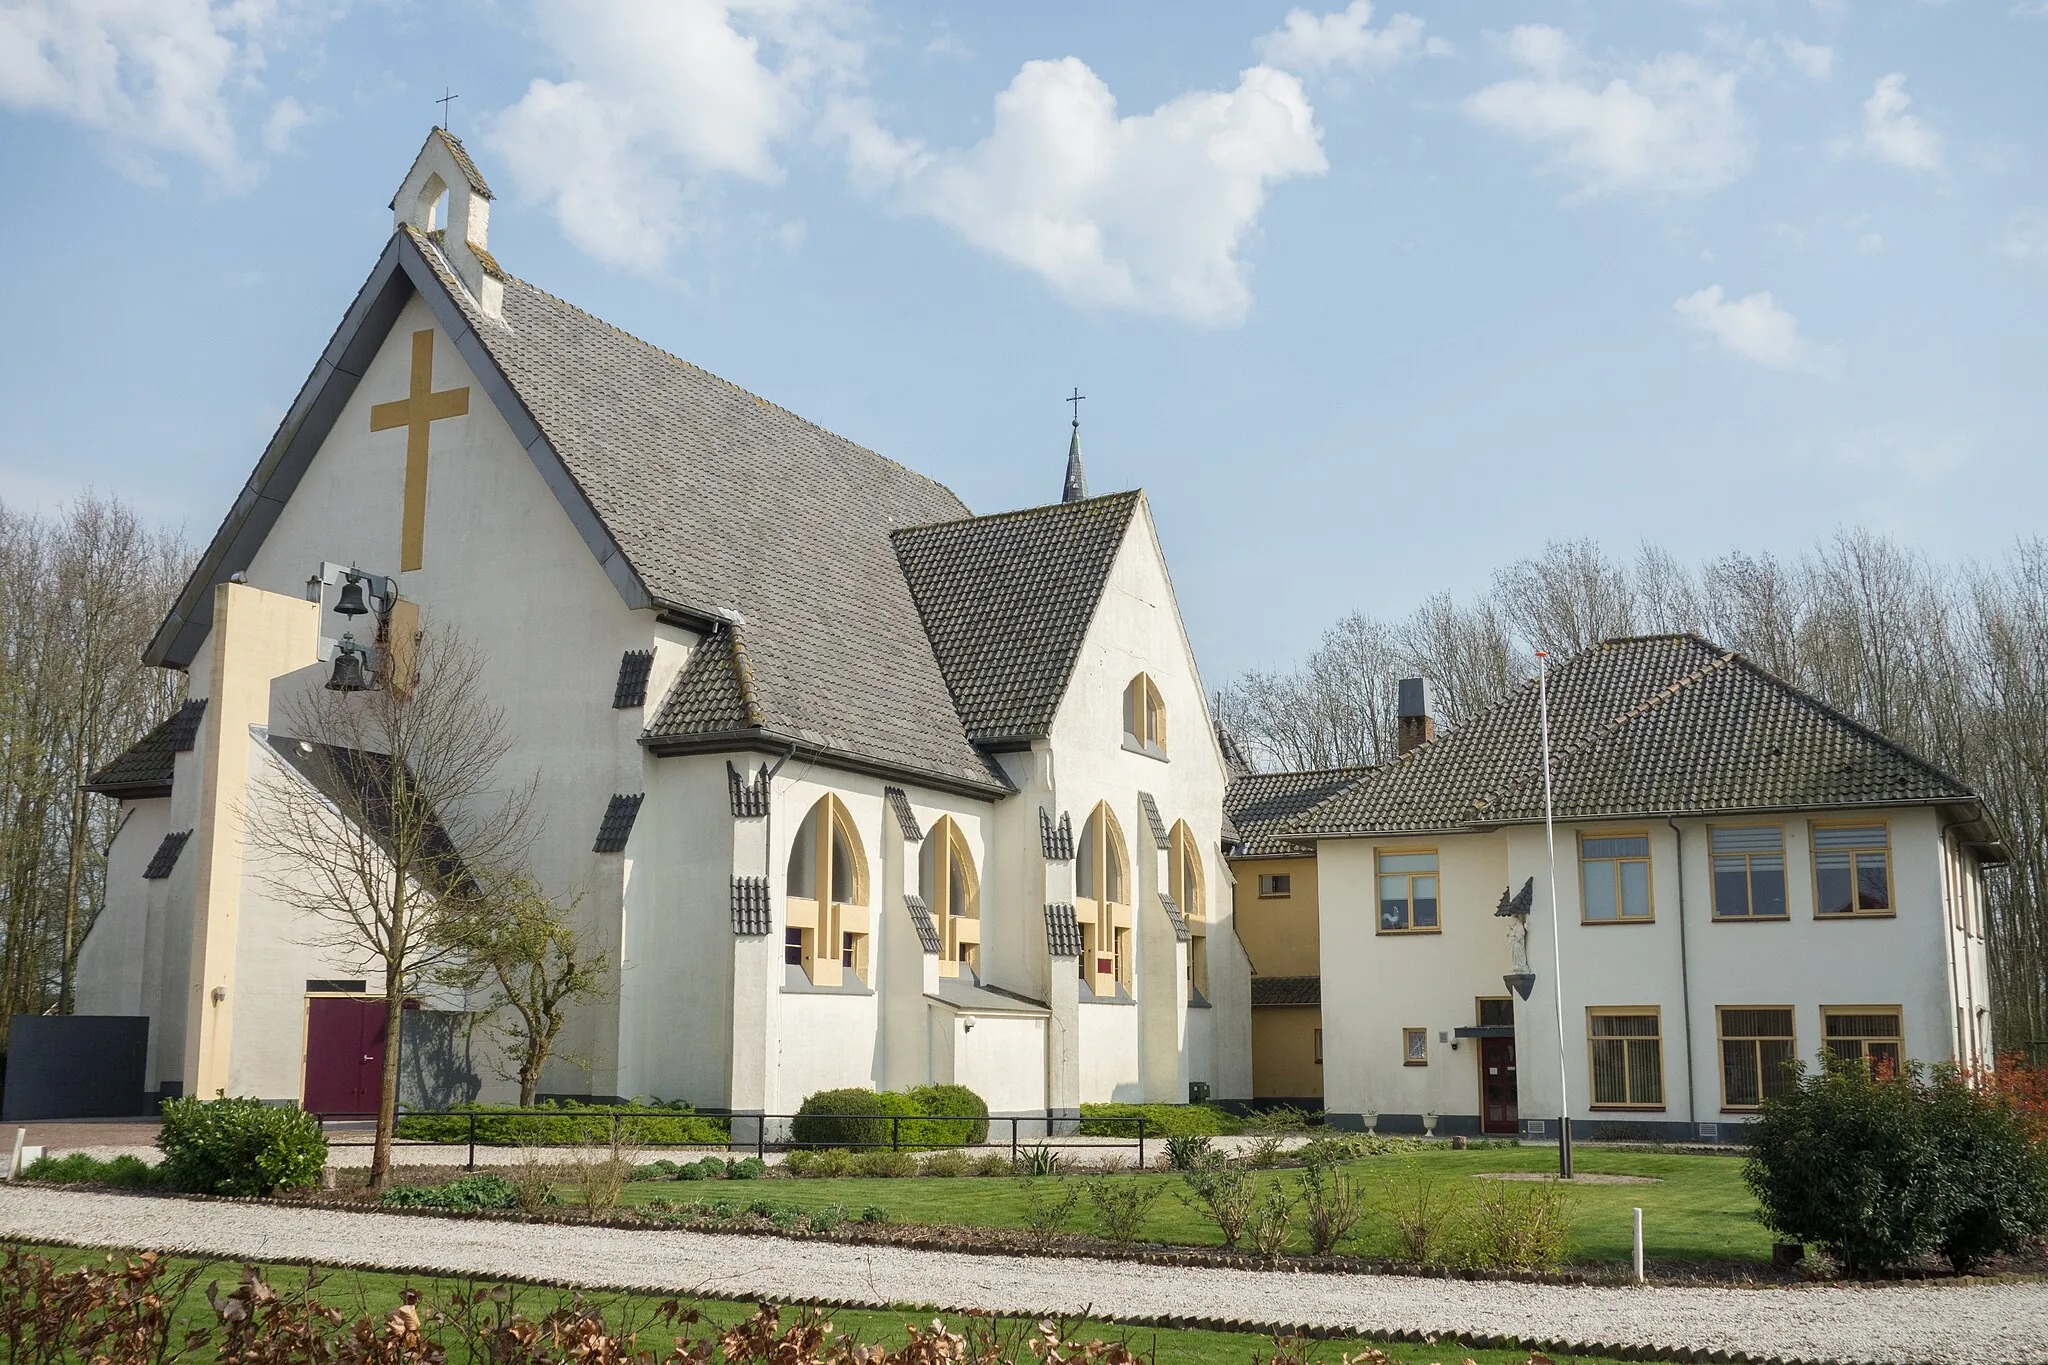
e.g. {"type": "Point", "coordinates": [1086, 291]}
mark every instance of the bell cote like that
{"type": "Point", "coordinates": [445, 197]}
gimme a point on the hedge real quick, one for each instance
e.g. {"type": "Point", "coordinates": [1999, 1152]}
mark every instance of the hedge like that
{"type": "Point", "coordinates": [566, 1123]}
{"type": "Point", "coordinates": [926, 1116]}
{"type": "Point", "coordinates": [1161, 1120]}
{"type": "Point", "coordinates": [239, 1147]}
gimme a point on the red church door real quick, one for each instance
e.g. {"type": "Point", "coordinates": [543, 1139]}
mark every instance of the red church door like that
{"type": "Point", "coordinates": [1497, 1086]}
{"type": "Point", "coordinates": [344, 1054]}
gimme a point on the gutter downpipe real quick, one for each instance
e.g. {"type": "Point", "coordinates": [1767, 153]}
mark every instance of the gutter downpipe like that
{"type": "Point", "coordinates": [1692, 1103]}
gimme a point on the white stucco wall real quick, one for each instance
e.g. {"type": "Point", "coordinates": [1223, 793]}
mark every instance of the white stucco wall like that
{"type": "Point", "coordinates": [1001, 1059]}
{"type": "Point", "coordinates": [113, 960]}
{"type": "Point", "coordinates": [1109, 1052]}
{"type": "Point", "coordinates": [1376, 984]}
{"type": "Point", "coordinates": [1137, 628]}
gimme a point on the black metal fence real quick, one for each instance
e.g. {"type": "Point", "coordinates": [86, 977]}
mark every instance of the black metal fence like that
{"type": "Point", "coordinates": [570, 1123]}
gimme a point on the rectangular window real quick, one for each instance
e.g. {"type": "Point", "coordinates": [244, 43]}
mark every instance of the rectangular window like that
{"type": "Point", "coordinates": [1616, 872]}
{"type": "Point", "coordinates": [1408, 888]}
{"type": "Point", "coordinates": [1749, 872]}
{"type": "Point", "coordinates": [1415, 1047]}
{"type": "Point", "coordinates": [1870, 1033]}
{"type": "Point", "coordinates": [793, 947]}
{"type": "Point", "coordinates": [1276, 884]}
{"type": "Point", "coordinates": [1319, 1047]}
{"type": "Point", "coordinates": [1627, 1048]}
{"type": "Point", "coordinates": [1496, 1012]}
{"type": "Point", "coordinates": [1852, 872]}
{"type": "Point", "coordinates": [1756, 1047]}
{"type": "Point", "coordinates": [846, 942]}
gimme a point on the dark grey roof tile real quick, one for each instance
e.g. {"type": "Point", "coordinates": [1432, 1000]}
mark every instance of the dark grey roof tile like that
{"type": "Point", "coordinates": [1286, 990]}
{"type": "Point", "coordinates": [144, 768]}
{"type": "Point", "coordinates": [750, 913]}
{"type": "Point", "coordinates": [631, 688]}
{"type": "Point", "coordinates": [1062, 931]}
{"type": "Point", "coordinates": [906, 818]}
{"type": "Point", "coordinates": [617, 825]}
{"type": "Point", "coordinates": [166, 856]}
{"type": "Point", "coordinates": [1261, 804]}
{"type": "Point", "coordinates": [1006, 601]}
{"type": "Point", "coordinates": [921, 918]}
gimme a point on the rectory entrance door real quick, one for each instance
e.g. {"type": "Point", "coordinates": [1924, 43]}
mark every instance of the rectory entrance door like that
{"type": "Point", "coordinates": [344, 1054]}
{"type": "Point", "coordinates": [1497, 1085]}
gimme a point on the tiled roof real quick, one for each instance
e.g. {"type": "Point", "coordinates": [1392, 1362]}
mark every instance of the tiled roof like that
{"type": "Point", "coordinates": [1643, 725]}
{"type": "Point", "coordinates": [1062, 931]}
{"type": "Point", "coordinates": [1056, 841]}
{"type": "Point", "coordinates": [906, 818]}
{"type": "Point", "coordinates": [749, 794]}
{"type": "Point", "coordinates": [1006, 600]}
{"type": "Point", "coordinates": [750, 913]}
{"type": "Point", "coordinates": [1260, 804]}
{"type": "Point", "coordinates": [1174, 917]}
{"type": "Point", "coordinates": [166, 856]}
{"type": "Point", "coordinates": [1154, 819]}
{"type": "Point", "coordinates": [617, 825]}
{"type": "Point", "coordinates": [921, 917]}
{"type": "Point", "coordinates": [631, 688]}
{"type": "Point", "coordinates": [1286, 990]}
{"type": "Point", "coordinates": [723, 502]}
{"type": "Point", "coordinates": [144, 768]}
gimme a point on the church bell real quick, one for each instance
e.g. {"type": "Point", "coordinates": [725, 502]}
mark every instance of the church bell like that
{"type": "Point", "coordinates": [351, 602]}
{"type": "Point", "coordinates": [351, 667]}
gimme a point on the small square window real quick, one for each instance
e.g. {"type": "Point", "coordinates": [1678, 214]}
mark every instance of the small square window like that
{"type": "Point", "coordinates": [1868, 1033]}
{"type": "Point", "coordinates": [1749, 872]}
{"type": "Point", "coordinates": [1276, 885]}
{"type": "Point", "coordinates": [793, 947]}
{"type": "Point", "coordinates": [1615, 870]}
{"type": "Point", "coordinates": [1415, 1047]}
{"type": "Point", "coordinates": [1408, 892]}
{"type": "Point", "coordinates": [1852, 870]}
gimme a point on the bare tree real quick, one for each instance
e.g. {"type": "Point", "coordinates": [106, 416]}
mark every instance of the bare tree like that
{"type": "Point", "coordinates": [1571, 598]}
{"type": "Point", "coordinates": [393, 829]}
{"type": "Point", "coordinates": [532, 965]}
{"type": "Point", "coordinates": [80, 595]}
{"type": "Point", "coordinates": [1466, 653]}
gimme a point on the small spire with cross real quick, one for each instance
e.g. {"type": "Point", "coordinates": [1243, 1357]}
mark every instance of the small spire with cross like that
{"type": "Point", "coordinates": [448, 97]}
{"type": "Point", "coordinates": [1077, 476]}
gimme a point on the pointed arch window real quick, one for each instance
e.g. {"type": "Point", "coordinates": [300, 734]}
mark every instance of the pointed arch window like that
{"type": "Point", "coordinates": [827, 923]}
{"type": "Point", "coordinates": [953, 891]}
{"type": "Point", "coordinates": [1102, 902]}
{"type": "Point", "coordinates": [1144, 717]}
{"type": "Point", "coordinates": [1189, 891]}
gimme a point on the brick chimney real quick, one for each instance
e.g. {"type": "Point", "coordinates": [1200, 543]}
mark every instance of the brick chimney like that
{"type": "Point", "coordinates": [1413, 725]}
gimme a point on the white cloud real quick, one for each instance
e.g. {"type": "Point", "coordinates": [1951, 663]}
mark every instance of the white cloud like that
{"type": "Point", "coordinates": [1667, 126]}
{"type": "Point", "coordinates": [2025, 237]}
{"type": "Point", "coordinates": [287, 116]}
{"type": "Point", "coordinates": [1309, 42]}
{"type": "Point", "coordinates": [660, 103]}
{"type": "Point", "coordinates": [1758, 330]}
{"type": "Point", "coordinates": [1145, 212]}
{"type": "Point", "coordinates": [1892, 135]}
{"type": "Point", "coordinates": [154, 76]}
{"type": "Point", "coordinates": [1816, 60]}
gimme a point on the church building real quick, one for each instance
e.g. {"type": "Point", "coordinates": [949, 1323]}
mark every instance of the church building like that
{"type": "Point", "coordinates": [854, 787]}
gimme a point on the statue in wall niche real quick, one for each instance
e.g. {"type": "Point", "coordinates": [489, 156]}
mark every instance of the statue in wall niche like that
{"type": "Point", "coordinates": [1514, 907]}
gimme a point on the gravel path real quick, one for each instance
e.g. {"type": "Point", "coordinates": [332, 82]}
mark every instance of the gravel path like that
{"type": "Point", "coordinates": [1969, 1323]}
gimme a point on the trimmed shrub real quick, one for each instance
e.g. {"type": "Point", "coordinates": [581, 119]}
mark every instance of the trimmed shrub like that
{"type": "Point", "coordinates": [1161, 1120]}
{"type": "Point", "coordinates": [943, 1164]}
{"type": "Point", "coordinates": [847, 1118]}
{"type": "Point", "coordinates": [746, 1168]}
{"type": "Point", "coordinates": [954, 1117]}
{"type": "Point", "coordinates": [924, 1117]}
{"type": "Point", "coordinates": [882, 1164]}
{"type": "Point", "coordinates": [1845, 1159]}
{"type": "Point", "coordinates": [1997, 1178]}
{"type": "Point", "coordinates": [129, 1172]}
{"type": "Point", "coordinates": [465, 1195]}
{"type": "Point", "coordinates": [239, 1147]}
{"type": "Point", "coordinates": [565, 1123]}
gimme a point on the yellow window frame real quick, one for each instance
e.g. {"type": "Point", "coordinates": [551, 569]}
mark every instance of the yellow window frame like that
{"type": "Point", "coordinates": [1891, 886]}
{"type": "Point", "coordinates": [1378, 923]}
{"type": "Point", "coordinates": [1628, 1041]}
{"type": "Point", "coordinates": [1648, 860]}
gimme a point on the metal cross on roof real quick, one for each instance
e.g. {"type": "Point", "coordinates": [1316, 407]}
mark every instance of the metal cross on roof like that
{"type": "Point", "coordinates": [447, 97]}
{"type": "Point", "coordinates": [1076, 400]}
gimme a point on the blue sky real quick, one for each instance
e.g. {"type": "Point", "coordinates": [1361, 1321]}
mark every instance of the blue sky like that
{"type": "Point", "coordinates": [1369, 298]}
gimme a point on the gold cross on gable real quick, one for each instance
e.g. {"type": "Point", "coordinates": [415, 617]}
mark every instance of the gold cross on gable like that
{"type": "Point", "coordinates": [415, 412]}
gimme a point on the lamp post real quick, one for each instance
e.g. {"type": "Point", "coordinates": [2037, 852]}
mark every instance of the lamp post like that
{"type": "Point", "coordinates": [1564, 1101]}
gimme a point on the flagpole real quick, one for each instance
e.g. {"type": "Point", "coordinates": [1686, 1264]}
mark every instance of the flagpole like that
{"type": "Point", "coordinates": [1564, 1100]}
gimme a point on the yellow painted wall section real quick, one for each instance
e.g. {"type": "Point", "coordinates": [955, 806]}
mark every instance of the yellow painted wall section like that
{"type": "Point", "coordinates": [1284, 1062]}
{"type": "Point", "coordinates": [257, 636]}
{"type": "Point", "coordinates": [1279, 932]}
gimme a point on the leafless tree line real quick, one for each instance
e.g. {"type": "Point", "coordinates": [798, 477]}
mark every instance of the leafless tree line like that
{"type": "Point", "coordinates": [1950, 660]}
{"type": "Point", "coordinates": [80, 594]}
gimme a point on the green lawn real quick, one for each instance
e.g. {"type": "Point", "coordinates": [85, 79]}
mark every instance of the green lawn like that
{"type": "Point", "coordinates": [357, 1292]}
{"type": "Point", "coordinates": [1698, 1211]}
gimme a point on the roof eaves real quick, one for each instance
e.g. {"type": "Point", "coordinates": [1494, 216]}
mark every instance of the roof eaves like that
{"type": "Point", "coordinates": [401, 271]}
